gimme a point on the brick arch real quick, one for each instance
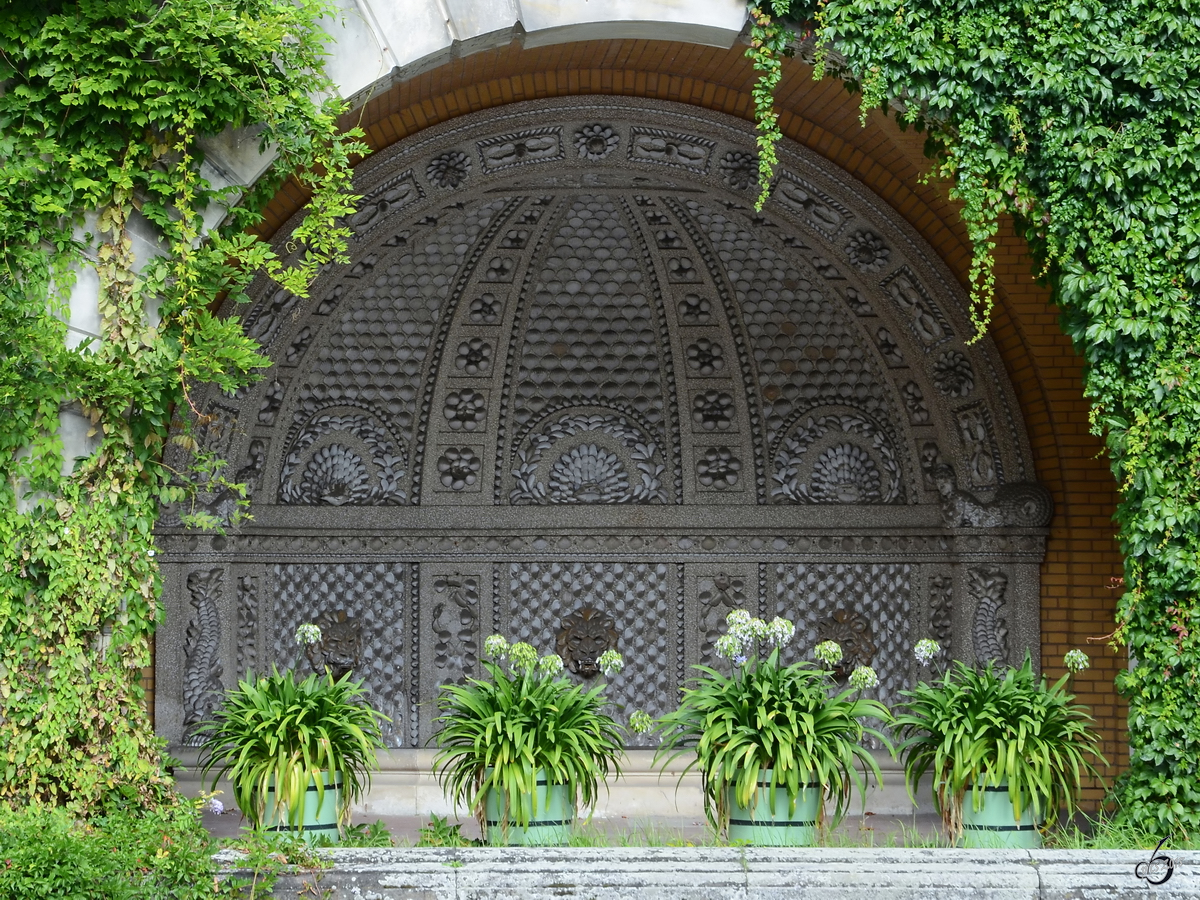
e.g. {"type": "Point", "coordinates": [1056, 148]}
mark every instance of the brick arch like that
{"type": "Point", "coordinates": [1046, 374]}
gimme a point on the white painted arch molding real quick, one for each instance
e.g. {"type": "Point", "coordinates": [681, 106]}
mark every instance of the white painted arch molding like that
{"type": "Point", "coordinates": [374, 40]}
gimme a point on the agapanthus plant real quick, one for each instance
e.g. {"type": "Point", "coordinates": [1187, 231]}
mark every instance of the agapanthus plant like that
{"type": "Point", "coordinates": [765, 716]}
{"type": "Point", "coordinates": [980, 727]}
{"type": "Point", "coordinates": [498, 732]}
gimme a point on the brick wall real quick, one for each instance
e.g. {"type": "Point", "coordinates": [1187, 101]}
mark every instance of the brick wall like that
{"type": "Point", "coordinates": [1081, 553]}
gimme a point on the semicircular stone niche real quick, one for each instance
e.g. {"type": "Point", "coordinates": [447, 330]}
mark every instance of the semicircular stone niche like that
{"type": "Point", "coordinates": [571, 388]}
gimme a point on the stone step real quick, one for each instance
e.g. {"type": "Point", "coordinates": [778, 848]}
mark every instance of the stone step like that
{"type": "Point", "coordinates": [732, 873]}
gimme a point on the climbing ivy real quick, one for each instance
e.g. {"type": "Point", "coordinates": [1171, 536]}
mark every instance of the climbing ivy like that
{"type": "Point", "coordinates": [103, 104]}
{"type": "Point", "coordinates": [1078, 118]}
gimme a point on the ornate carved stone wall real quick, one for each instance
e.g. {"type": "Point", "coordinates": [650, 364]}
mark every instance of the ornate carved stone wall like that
{"type": "Point", "coordinates": [569, 367]}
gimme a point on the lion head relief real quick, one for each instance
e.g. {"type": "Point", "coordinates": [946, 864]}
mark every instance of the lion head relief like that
{"type": "Point", "coordinates": [340, 645]}
{"type": "Point", "coordinates": [585, 634]}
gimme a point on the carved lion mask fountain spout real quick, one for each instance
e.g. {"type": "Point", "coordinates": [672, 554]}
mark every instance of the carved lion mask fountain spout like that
{"type": "Point", "coordinates": [584, 636]}
{"type": "Point", "coordinates": [340, 645]}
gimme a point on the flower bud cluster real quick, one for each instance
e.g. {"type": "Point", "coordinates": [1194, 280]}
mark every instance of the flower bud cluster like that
{"type": "Point", "coordinates": [550, 665]}
{"type": "Point", "coordinates": [745, 631]}
{"type": "Point", "coordinates": [522, 657]}
{"type": "Point", "coordinates": [640, 721]}
{"type": "Point", "coordinates": [610, 663]}
{"type": "Point", "coordinates": [863, 678]}
{"type": "Point", "coordinates": [308, 633]}
{"type": "Point", "coordinates": [828, 652]}
{"type": "Point", "coordinates": [925, 650]}
{"type": "Point", "coordinates": [1076, 661]}
{"type": "Point", "coordinates": [495, 647]}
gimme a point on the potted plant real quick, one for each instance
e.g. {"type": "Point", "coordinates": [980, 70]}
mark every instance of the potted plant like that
{"type": "Point", "coordinates": [297, 752]}
{"type": "Point", "coordinates": [1018, 746]}
{"type": "Point", "coordinates": [772, 741]}
{"type": "Point", "coordinates": [523, 747]}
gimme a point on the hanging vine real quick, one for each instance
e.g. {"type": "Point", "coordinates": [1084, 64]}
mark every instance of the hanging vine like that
{"type": "Point", "coordinates": [102, 105]}
{"type": "Point", "coordinates": [1078, 119]}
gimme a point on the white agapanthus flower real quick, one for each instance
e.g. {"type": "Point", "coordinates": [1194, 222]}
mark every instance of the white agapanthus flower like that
{"type": "Point", "coordinates": [863, 678]}
{"type": "Point", "coordinates": [728, 646]}
{"type": "Point", "coordinates": [522, 657]}
{"type": "Point", "coordinates": [550, 664]}
{"type": "Point", "coordinates": [780, 631]}
{"type": "Point", "coordinates": [610, 663]}
{"type": "Point", "coordinates": [307, 634]}
{"type": "Point", "coordinates": [926, 650]}
{"type": "Point", "coordinates": [1076, 661]}
{"type": "Point", "coordinates": [495, 646]}
{"type": "Point", "coordinates": [828, 652]}
{"type": "Point", "coordinates": [737, 618]}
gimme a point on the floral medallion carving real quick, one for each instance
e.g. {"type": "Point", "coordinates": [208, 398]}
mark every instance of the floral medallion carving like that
{"type": "Point", "coordinates": [718, 468]}
{"type": "Point", "coordinates": [740, 170]}
{"type": "Point", "coordinates": [867, 251]}
{"type": "Point", "coordinates": [458, 468]}
{"type": "Point", "coordinates": [953, 375]}
{"type": "Point", "coordinates": [594, 142]}
{"type": "Point", "coordinates": [449, 170]}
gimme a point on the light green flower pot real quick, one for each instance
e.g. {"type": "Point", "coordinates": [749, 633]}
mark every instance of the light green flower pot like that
{"type": "Point", "coordinates": [773, 825]}
{"type": "Point", "coordinates": [318, 819]}
{"type": "Point", "coordinates": [994, 825]}
{"type": "Point", "coordinates": [549, 826]}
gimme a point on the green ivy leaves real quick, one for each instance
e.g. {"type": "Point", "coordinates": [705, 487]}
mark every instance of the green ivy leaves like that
{"type": "Point", "coordinates": [1078, 119]}
{"type": "Point", "coordinates": [103, 103]}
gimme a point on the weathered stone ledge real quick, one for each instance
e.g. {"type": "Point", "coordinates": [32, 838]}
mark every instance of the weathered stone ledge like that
{"type": "Point", "coordinates": [730, 873]}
